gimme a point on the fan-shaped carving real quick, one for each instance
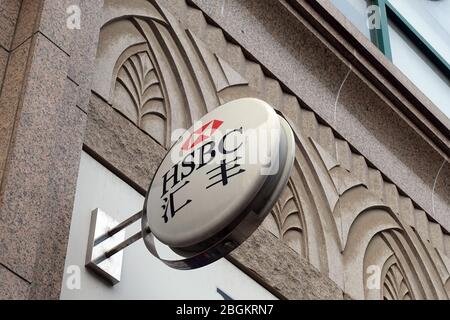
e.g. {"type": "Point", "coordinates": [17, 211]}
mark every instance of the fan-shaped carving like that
{"type": "Point", "coordinates": [289, 221]}
{"type": "Point", "coordinates": [365, 229]}
{"type": "Point", "coordinates": [158, 74]}
{"type": "Point", "coordinates": [139, 96]}
{"type": "Point", "coordinates": [394, 285]}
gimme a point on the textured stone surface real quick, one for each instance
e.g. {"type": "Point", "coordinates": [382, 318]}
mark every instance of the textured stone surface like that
{"type": "Point", "coordinates": [304, 64]}
{"type": "Point", "coordinates": [9, 10]}
{"type": "Point", "coordinates": [394, 147]}
{"type": "Point", "coordinates": [10, 97]}
{"type": "Point", "coordinates": [53, 22]}
{"type": "Point", "coordinates": [41, 138]}
{"type": "Point", "coordinates": [12, 286]}
{"type": "Point", "coordinates": [440, 198]}
{"type": "Point", "coordinates": [83, 48]}
{"type": "Point", "coordinates": [27, 21]}
{"type": "Point", "coordinates": [50, 18]}
{"type": "Point", "coordinates": [133, 154]}
{"type": "Point", "coordinates": [3, 61]}
{"type": "Point", "coordinates": [25, 196]}
{"type": "Point", "coordinates": [65, 158]}
{"type": "Point", "coordinates": [280, 268]}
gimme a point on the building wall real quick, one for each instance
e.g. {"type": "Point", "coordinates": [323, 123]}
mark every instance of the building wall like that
{"type": "Point", "coordinates": [370, 190]}
{"type": "Point", "coordinates": [43, 99]}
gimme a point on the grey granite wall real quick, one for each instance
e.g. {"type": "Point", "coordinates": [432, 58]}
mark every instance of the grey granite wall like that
{"type": "Point", "coordinates": [42, 121]}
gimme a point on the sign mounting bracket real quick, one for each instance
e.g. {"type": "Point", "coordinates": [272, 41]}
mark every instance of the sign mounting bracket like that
{"type": "Point", "coordinates": [106, 244]}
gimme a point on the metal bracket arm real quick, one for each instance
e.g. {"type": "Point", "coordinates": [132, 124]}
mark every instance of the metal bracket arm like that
{"type": "Point", "coordinates": [106, 243]}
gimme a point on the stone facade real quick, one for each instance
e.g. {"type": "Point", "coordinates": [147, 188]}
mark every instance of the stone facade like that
{"type": "Point", "coordinates": [371, 181]}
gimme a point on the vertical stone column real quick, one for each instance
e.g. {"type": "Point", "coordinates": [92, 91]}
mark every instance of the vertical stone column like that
{"type": "Point", "coordinates": [43, 105]}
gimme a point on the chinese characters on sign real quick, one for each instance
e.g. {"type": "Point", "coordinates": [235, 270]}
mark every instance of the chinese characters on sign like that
{"type": "Point", "coordinates": [175, 179]}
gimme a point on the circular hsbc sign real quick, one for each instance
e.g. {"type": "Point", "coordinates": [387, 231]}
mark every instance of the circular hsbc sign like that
{"type": "Point", "coordinates": [218, 182]}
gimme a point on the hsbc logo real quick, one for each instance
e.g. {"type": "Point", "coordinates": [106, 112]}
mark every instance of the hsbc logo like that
{"type": "Point", "coordinates": [209, 193]}
{"type": "Point", "coordinates": [212, 190]}
{"type": "Point", "coordinates": [200, 135]}
{"type": "Point", "coordinates": [219, 180]}
{"type": "Point", "coordinates": [222, 157]}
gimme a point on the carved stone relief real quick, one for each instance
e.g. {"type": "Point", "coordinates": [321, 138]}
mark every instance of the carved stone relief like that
{"type": "Point", "coordinates": [158, 75]}
{"type": "Point", "coordinates": [336, 212]}
{"type": "Point", "coordinates": [287, 221]}
{"type": "Point", "coordinates": [138, 93]}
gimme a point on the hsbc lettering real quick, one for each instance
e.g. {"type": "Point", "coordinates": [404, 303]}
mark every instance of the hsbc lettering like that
{"type": "Point", "coordinates": [225, 173]}
{"type": "Point", "coordinates": [175, 179]}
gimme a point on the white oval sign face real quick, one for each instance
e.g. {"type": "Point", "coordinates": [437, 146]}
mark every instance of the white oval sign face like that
{"type": "Point", "coordinates": [213, 172]}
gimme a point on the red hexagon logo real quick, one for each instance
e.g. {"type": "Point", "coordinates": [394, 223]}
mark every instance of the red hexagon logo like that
{"type": "Point", "coordinates": [201, 134]}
